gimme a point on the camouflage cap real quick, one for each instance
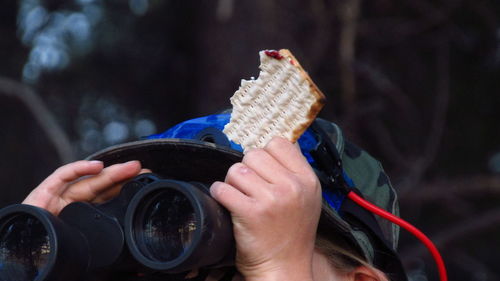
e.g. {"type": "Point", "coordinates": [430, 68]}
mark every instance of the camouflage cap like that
{"type": "Point", "coordinates": [370, 180]}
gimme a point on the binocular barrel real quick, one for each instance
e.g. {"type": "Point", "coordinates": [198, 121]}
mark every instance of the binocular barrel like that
{"type": "Point", "coordinates": [177, 226]}
{"type": "Point", "coordinates": [154, 225]}
{"type": "Point", "coordinates": [32, 242]}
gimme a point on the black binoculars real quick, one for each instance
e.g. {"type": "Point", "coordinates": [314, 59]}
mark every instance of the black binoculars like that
{"type": "Point", "coordinates": [153, 225]}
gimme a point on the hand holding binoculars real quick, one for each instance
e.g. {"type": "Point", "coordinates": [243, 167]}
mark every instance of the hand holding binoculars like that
{"type": "Point", "coordinates": [157, 224]}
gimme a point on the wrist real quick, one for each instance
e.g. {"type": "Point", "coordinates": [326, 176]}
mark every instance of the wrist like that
{"type": "Point", "coordinates": [280, 277]}
{"type": "Point", "coordinates": [292, 273]}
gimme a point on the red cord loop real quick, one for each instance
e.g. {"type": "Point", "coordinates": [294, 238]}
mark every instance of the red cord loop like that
{"type": "Point", "coordinates": [410, 228]}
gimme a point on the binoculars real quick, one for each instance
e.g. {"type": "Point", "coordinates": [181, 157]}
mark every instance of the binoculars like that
{"type": "Point", "coordinates": [153, 225]}
{"type": "Point", "coordinates": [160, 224]}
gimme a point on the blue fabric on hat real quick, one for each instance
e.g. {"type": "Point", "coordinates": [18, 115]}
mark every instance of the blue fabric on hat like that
{"type": "Point", "coordinates": [307, 142]}
{"type": "Point", "coordinates": [188, 130]}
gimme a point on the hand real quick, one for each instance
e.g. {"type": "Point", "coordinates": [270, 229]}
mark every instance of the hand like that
{"type": "Point", "coordinates": [274, 198]}
{"type": "Point", "coordinates": [81, 181]}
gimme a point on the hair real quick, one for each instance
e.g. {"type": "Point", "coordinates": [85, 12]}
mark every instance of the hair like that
{"type": "Point", "coordinates": [343, 257]}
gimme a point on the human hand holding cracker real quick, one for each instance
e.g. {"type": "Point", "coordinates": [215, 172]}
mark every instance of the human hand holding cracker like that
{"type": "Point", "coordinates": [273, 195]}
{"type": "Point", "coordinates": [275, 201]}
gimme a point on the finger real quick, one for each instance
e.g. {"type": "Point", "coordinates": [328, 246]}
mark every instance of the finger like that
{"type": "Point", "coordinates": [57, 182]}
{"type": "Point", "coordinates": [108, 194]}
{"type": "Point", "coordinates": [231, 198]}
{"type": "Point", "coordinates": [90, 188]}
{"type": "Point", "coordinates": [113, 191]}
{"type": "Point", "coordinates": [265, 165]}
{"type": "Point", "coordinates": [288, 155]}
{"type": "Point", "coordinates": [243, 178]}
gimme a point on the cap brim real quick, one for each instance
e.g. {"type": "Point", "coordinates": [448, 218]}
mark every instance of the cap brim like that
{"type": "Point", "coordinates": [179, 159]}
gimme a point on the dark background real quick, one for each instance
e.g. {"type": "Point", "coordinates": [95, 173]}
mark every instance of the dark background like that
{"type": "Point", "coordinates": [415, 82]}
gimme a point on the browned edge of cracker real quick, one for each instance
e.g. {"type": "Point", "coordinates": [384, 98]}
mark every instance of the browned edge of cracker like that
{"type": "Point", "coordinates": [320, 97]}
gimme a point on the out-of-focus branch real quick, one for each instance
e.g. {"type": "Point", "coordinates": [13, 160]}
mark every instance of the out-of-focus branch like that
{"type": "Point", "coordinates": [402, 104]}
{"type": "Point", "coordinates": [389, 89]}
{"type": "Point", "coordinates": [440, 104]}
{"type": "Point", "coordinates": [438, 121]}
{"type": "Point", "coordinates": [348, 15]}
{"type": "Point", "coordinates": [319, 46]}
{"type": "Point", "coordinates": [224, 10]}
{"type": "Point", "coordinates": [400, 29]}
{"type": "Point", "coordinates": [386, 143]}
{"type": "Point", "coordinates": [474, 225]}
{"type": "Point", "coordinates": [453, 193]}
{"type": "Point", "coordinates": [445, 188]}
{"type": "Point", "coordinates": [42, 114]}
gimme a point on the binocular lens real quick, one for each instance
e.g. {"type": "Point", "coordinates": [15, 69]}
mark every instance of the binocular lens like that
{"type": "Point", "coordinates": [24, 248]}
{"type": "Point", "coordinates": [166, 225]}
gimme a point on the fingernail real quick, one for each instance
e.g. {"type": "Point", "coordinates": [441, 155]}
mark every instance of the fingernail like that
{"type": "Point", "coordinates": [214, 188]}
{"type": "Point", "coordinates": [95, 162]}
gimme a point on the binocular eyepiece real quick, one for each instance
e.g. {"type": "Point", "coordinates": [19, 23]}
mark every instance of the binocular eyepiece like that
{"type": "Point", "coordinates": [155, 225]}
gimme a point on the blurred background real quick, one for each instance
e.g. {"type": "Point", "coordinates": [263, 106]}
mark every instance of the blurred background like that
{"type": "Point", "coordinates": [415, 82]}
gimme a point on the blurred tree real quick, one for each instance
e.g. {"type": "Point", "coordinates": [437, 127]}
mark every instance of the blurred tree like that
{"type": "Point", "coordinates": [415, 82]}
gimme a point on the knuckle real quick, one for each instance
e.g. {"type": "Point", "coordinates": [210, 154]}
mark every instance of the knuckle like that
{"type": "Point", "coordinates": [232, 168]}
{"type": "Point", "coordinates": [310, 179]}
{"type": "Point", "coordinates": [278, 141]}
{"type": "Point", "coordinates": [88, 187]}
{"type": "Point", "coordinates": [295, 190]}
{"type": "Point", "coordinates": [59, 171]}
{"type": "Point", "coordinates": [265, 208]}
{"type": "Point", "coordinates": [288, 189]}
{"type": "Point", "coordinates": [50, 187]}
{"type": "Point", "coordinates": [254, 155]}
{"type": "Point", "coordinates": [293, 182]}
{"type": "Point", "coordinates": [233, 171]}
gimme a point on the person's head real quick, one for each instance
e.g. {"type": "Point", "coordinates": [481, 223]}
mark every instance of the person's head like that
{"type": "Point", "coordinates": [350, 242]}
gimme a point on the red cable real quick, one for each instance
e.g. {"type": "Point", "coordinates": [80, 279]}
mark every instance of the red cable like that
{"type": "Point", "coordinates": [404, 224]}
